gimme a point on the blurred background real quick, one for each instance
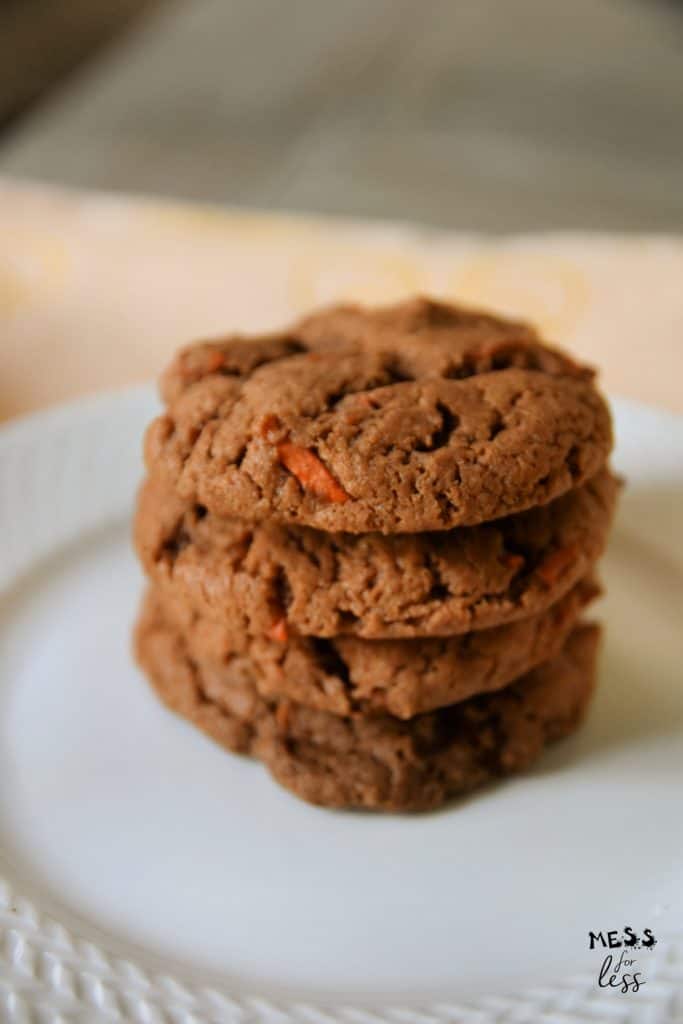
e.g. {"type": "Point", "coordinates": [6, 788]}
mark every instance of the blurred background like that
{"type": "Point", "coordinates": [501, 115]}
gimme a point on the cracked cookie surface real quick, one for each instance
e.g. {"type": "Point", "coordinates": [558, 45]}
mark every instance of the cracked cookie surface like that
{"type": "Point", "coordinates": [375, 762]}
{"type": "Point", "coordinates": [347, 674]}
{"type": "Point", "coordinates": [271, 579]}
{"type": "Point", "coordinates": [417, 417]}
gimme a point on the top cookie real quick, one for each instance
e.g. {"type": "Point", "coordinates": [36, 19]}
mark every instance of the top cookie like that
{"type": "Point", "coordinates": [421, 416]}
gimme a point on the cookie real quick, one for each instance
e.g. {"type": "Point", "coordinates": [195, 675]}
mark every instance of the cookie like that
{"type": "Point", "coordinates": [271, 579]}
{"type": "Point", "coordinates": [379, 762]}
{"type": "Point", "coordinates": [347, 674]}
{"type": "Point", "coordinates": [419, 417]}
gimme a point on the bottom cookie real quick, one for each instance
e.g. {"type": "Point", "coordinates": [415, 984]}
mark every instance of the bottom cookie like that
{"type": "Point", "coordinates": [376, 762]}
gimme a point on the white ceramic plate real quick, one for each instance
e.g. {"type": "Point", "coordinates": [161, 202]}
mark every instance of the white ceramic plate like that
{"type": "Point", "coordinates": [149, 876]}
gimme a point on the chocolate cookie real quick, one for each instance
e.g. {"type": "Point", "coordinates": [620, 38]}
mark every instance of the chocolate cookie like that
{"type": "Point", "coordinates": [346, 674]}
{"type": "Point", "coordinates": [419, 417]}
{"type": "Point", "coordinates": [272, 580]}
{"type": "Point", "coordinates": [376, 762]}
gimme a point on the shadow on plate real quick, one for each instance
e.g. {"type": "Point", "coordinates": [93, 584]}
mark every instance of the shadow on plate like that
{"type": "Point", "coordinates": [639, 696]}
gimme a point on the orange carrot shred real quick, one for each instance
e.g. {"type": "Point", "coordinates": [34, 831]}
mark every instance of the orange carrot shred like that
{"type": "Point", "coordinates": [278, 631]}
{"type": "Point", "coordinates": [552, 567]}
{"type": "Point", "coordinates": [310, 472]}
{"type": "Point", "coordinates": [214, 361]}
{"type": "Point", "coordinates": [512, 562]}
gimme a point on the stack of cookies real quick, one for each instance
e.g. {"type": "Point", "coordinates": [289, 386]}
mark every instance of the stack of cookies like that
{"type": "Point", "coordinates": [369, 540]}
